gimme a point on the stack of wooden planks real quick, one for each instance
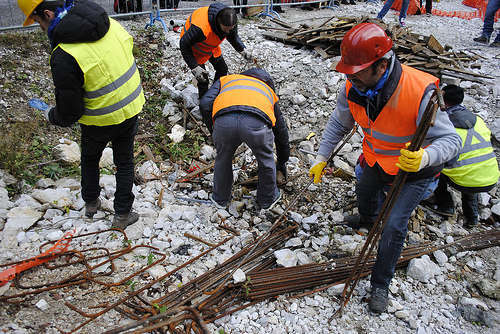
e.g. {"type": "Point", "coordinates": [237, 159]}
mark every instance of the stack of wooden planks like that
{"type": "Point", "coordinates": [422, 52]}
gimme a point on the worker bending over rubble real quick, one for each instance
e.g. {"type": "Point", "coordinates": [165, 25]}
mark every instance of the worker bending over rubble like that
{"type": "Point", "coordinates": [243, 108]}
{"type": "Point", "coordinates": [204, 31]}
{"type": "Point", "coordinates": [97, 84]}
{"type": "Point", "coordinates": [387, 99]}
{"type": "Point", "coordinates": [474, 170]}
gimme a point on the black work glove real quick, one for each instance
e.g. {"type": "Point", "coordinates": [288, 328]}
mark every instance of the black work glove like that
{"type": "Point", "coordinates": [281, 167]}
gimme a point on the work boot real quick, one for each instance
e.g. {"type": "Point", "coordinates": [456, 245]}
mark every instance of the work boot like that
{"type": "Point", "coordinates": [273, 204]}
{"type": "Point", "coordinates": [433, 204]}
{"type": "Point", "coordinates": [125, 219]}
{"type": "Point", "coordinates": [378, 300]}
{"type": "Point", "coordinates": [217, 204]}
{"type": "Point", "coordinates": [356, 222]}
{"type": "Point", "coordinates": [92, 207]}
{"type": "Point", "coordinates": [470, 222]}
{"type": "Point", "coordinates": [482, 39]}
{"type": "Point", "coordinates": [496, 44]}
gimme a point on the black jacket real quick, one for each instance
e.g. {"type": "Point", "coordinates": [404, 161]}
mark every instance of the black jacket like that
{"type": "Point", "coordinates": [280, 130]}
{"type": "Point", "coordinates": [195, 35]}
{"type": "Point", "coordinates": [85, 22]}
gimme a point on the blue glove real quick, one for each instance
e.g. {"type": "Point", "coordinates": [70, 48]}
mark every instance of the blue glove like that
{"type": "Point", "coordinates": [40, 105]}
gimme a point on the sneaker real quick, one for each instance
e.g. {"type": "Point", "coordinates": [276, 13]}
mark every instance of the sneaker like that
{"type": "Point", "coordinates": [352, 2]}
{"type": "Point", "coordinates": [273, 204]}
{"type": "Point", "coordinates": [92, 207]}
{"type": "Point", "coordinates": [344, 2]}
{"type": "Point", "coordinates": [216, 204]}
{"type": "Point", "coordinates": [442, 210]}
{"type": "Point", "coordinates": [402, 22]}
{"type": "Point", "coordinates": [482, 39]}
{"type": "Point", "coordinates": [356, 222]}
{"type": "Point", "coordinates": [495, 44]}
{"type": "Point", "coordinates": [125, 219]}
{"type": "Point", "coordinates": [378, 300]}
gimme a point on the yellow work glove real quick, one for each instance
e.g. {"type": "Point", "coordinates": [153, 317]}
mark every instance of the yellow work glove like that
{"type": "Point", "coordinates": [317, 171]}
{"type": "Point", "coordinates": [410, 161]}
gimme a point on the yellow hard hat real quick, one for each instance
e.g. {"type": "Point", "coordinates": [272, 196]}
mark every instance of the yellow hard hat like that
{"type": "Point", "coordinates": [28, 6]}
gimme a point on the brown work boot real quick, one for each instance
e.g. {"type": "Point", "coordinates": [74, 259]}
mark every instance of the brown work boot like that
{"type": "Point", "coordinates": [92, 207]}
{"type": "Point", "coordinates": [125, 219]}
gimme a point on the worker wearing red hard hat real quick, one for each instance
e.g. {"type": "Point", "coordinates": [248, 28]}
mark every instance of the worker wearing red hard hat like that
{"type": "Point", "coordinates": [387, 100]}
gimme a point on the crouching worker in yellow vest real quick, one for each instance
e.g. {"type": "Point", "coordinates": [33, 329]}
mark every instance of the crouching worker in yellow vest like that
{"type": "Point", "coordinates": [96, 84]}
{"type": "Point", "coordinates": [474, 170]}
{"type": "Point", "coordinates": [243, 108]}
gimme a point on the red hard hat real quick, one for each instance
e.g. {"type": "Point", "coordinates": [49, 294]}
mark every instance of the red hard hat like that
{"type": "Point", "coordinates": [361, 47]}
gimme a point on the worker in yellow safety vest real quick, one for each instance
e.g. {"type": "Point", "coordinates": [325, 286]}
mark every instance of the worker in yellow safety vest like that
{"type": "Point", "coordinates": [474, 170]}
{"type": "Point", "coordinates": [97, 84]}
{"type": "Point", "coordinates": [204, 31]}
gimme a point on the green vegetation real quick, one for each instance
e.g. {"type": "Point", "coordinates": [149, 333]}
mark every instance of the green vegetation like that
{"type": "Point", "coordinates": [26, 150]}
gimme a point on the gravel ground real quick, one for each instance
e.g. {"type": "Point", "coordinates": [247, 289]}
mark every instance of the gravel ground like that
{"type": "Point", "coordinates": [433, 306]}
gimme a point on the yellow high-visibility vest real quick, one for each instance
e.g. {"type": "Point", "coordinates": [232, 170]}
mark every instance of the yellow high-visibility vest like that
{"type": "Point", "coordinates": [113, 91]}
{"type": "Point", "coordinates": [477, 164]}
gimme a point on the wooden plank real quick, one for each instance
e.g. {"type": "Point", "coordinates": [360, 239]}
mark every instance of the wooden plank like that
{"type": "Point", "coordinates": [434, 45]}
{"type": "Point", "coordinates": [252, 11]}
{"type": "Point", "coordinates": [321, 52]}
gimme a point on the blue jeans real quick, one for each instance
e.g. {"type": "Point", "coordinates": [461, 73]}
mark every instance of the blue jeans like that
{"type": "Point", "coordinates": [232, 129]}
{"type": "Point", "coordinates": [358, 171]}
{"type": "Point", "coordinates": [387, 6]}
{"type": "Point", "coordinates": [369, 191]}
{"type": "Point", "coordinates": [489, 19]}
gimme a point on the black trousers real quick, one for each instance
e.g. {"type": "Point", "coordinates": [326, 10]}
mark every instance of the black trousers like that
{"type": "Point", "coordinates": [240, 3]}
{"type": "Point", "coordinates": [221, 69]}
{"type": "Point", "coordinates": [94, 141]}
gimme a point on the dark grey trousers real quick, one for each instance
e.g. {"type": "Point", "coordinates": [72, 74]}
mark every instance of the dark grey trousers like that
{"type": "Point", "coordinates": [230, 130]}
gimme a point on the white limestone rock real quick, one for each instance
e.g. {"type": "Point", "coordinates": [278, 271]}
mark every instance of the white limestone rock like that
{"type": "Point", "coordinates": [286, 257]}
{"type": "Point", "coordinates": [60, 197]}
{"type": "Point", "coordinates": [177, 133]}
{"type": "Point", "coordinates": [239, 276]}
{"type": "Point", "coordinates": [422, 269]}
{"type": "Point", "coordinates": [69, 151]}
{"type": "Point", "coordinates": [106, 158]}
{"type": "Point", "coordinates": [148, 170]}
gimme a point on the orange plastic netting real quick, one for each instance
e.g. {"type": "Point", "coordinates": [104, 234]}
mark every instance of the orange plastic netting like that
{"type": "Point", "coordinates": [415, 8]}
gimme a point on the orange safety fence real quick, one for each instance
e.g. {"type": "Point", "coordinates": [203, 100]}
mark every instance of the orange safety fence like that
{"type": "Point", "coordinates": [59, 247]}
{"type": "Point", "coordinates": [414, 8]}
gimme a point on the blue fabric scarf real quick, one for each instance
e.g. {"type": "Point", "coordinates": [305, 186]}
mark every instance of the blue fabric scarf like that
{"type": "Point", "coordinates": [59, 14]}
{"type": "Point", "coordinates": [372, 92]}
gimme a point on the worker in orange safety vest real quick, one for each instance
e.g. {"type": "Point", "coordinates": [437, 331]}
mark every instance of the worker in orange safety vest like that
{"type": "Point", "coordinates": [205, 29]}
{"type": "Point", "coordinates": [243, 108]}
{"type": "Point", "coordinates": [387, 100]}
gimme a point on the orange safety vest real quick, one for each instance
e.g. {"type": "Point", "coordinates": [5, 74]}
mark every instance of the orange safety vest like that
{"type": "Point", "coordinates": [243, 90]}
{"type": "Point", "coordinates": [202, 51]}
{"type": "Point", "coordinates": [396, 123]}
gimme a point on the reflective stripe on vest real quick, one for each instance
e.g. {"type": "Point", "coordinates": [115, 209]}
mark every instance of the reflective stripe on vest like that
{"type": "Point", "coordinates": [243, 90]}
{"type": "Point", "coordinates": [203, 50]}
{"type": "Point", "coordinates": [397, 121]}
{"type": "Point", "coordinates": [113, 91]}
{"type": "Point", "coordinates": [477, 165]}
